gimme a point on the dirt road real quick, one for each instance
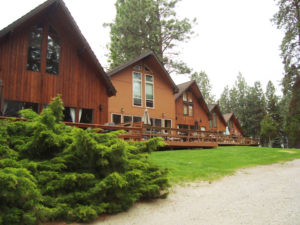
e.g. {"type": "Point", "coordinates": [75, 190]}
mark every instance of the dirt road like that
{"type": "Point", "coordinates": [264, 195]}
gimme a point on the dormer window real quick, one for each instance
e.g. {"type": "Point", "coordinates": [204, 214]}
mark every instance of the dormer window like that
{"type": "Point", "coordinates": [34, 57]}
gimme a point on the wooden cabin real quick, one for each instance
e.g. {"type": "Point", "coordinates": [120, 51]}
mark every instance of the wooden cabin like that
{"type": "Point", "coordinates": [143, 84]}
{"type": "Point", "coordinates": [44, 54]}
{"type": "Point", "coordinates": [191, 109]}
{"type": "Point", "coordinates": [233, 124]}
{"type": "Point", "coordinates": [217, 122]}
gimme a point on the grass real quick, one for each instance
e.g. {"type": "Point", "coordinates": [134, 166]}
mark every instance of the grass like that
{"type": "Point", "coordinates": [213, 164]}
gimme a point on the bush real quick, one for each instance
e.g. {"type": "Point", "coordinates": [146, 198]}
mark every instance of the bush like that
{"type": "Point", "coordinates": [50, 171]}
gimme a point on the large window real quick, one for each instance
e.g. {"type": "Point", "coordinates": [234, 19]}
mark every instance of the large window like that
{"type": "Point", "coordinates": [149, 91]}
{"type": "Point", "coordinates": [34, 56]}
{"type": "Point", "coordinates": [12, 108]}
{"type": "Point", "coordinates": [188, 104]}
{"type": "Point", "coordinates": [35, 49]}
{"type": "Point", "coordinates": [53, 52]}
{"type": "Point", "coordinates": [137, 89]}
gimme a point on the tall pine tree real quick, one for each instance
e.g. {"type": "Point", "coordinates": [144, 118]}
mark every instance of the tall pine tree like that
{"type": "Point", "coordinates": [143, 25]}
{"type": "Point", "coordinates": [288, 19]}
{"type": "Point", "coordinates": [204, 85]}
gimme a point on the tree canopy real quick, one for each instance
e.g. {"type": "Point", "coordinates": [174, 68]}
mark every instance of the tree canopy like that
{"type": "Point", "coordinates": [143, 25]}
{"type": "Point", "coordinates": [204, 85]}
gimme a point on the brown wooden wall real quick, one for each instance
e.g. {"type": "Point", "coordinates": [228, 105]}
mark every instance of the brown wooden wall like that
{"type": "Point", "coordinates": [163, 93]}
{"type": "Point", "coordinates": [78, 81]}
{"type": "Point", "coordinates": [198, 114]}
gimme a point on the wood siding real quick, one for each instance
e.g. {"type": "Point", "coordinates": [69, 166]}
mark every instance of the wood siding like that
{"type": "Point", "coordinates": [164, 105]}
{"type": "Point", "coordinates": [198, 113]}
{"type": "Point", "coordinates": [79, 82]}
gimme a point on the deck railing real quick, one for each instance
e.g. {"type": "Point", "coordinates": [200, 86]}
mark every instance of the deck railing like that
{"type": "Point", "coordinates": [140, 132]}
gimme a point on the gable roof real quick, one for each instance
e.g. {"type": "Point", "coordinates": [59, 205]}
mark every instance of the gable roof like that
{"type": "Point", "coordinates": [228, 117]}
{"type": "Point", "coordinates": [144, 56]}
{"type": "Point", "coordinates": [54, 5]}
{"type": "Point", "coordinates": [192, 85]}
{"type": "Point", "coordinates": [211, 107]}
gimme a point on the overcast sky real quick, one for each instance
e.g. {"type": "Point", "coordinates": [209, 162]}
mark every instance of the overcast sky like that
{"type": "Point", "coordinates": [232, 36]}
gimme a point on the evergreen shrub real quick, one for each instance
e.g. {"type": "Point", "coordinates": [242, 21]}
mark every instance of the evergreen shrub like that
{"type": "Point", "coordinates": [50, 171]}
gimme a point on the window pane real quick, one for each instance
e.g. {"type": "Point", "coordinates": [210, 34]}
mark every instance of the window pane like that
{"type": "Point", "coordinates": [137, 87]}
{"type": "Point", "coordinates": [190, 97]}
{"type": "Point", "coordinates": [215, 119]}
{"type": "Point", "coordinates": [116, 118]}
{"type": "Point", "coordinates": [168, 123]}
{"type": "Point", "coordinates": [35, 49]}
{"type": "Point", "coordinates": [149, 78]}
{"type": "Point", "coordinates": [185, 110]}
{"type": "Point", "coordinates": [137, 102]}
{"type": "Point", "coordinates": [69, 114]}
{"type": "Point", "coordinates": [202, 128]}
{"type": "Point", "coordinates": [184, 97]}
{"type": "Point", "coordinates": [157, 122]}
{"type": "Point", "coordinates": [137, 67]}
{"type": "Point", "coordinates": [210, 124]}
{"type": "Point", "coordinates": [149, 95]}
{"type": "Point", "coordinates": [137, 93]}
{"type": "Point", "coordinates": [53, 55]}
{"type": "Point", "coordinates": [137, 76]}
{"type": "Point", "coordinates": [127, 119]}
{"type": "Point", "coordinates": [137, 119]}
{"type": "Point", "coordinates": [12, 108]}
{"type": "Point", "coordinates": [86, 116]}
{"type": "Point", "coordinates": [190, 110]}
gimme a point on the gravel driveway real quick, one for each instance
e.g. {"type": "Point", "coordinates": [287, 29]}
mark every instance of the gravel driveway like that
{"type": "Point", "coordinates": [264, 195]}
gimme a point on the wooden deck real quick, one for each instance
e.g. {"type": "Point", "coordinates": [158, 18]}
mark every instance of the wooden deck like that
{"type": "Point", "coordinates": [174, 138]}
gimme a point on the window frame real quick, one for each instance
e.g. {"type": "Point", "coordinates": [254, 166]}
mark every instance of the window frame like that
{"type": "Point", "coordinates": [149, 82]}
{"type": "Point", "coordinates": [141, 92]}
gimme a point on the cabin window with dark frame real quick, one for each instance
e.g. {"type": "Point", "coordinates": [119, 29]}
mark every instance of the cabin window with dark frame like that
{"type": "Point", "coordinates": [35, 49]}
{"type": "Point", "coordinates": [85, 115]}
{"type": "Point", "coordinates": [69, 114]}
{"type": "Point", "coordinates": [116, 118]}
{"type": "Point", "coordinates": [127, 119]}
{"type": "Point", "coordinates": [53, 52]}
{"type": "Point", "coordinates": [137, 119]}
{"type": "Point", "coordinates": [12, 108]}
{"type": "Point", "coordinates": [34, 55]}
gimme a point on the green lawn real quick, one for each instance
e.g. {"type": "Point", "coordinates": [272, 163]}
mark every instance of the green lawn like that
{"type": "Point", "coordinates": [212, 164]}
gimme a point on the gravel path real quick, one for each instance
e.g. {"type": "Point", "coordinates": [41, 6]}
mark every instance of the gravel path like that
{"type": "Point", "coordinates": [264, 195]}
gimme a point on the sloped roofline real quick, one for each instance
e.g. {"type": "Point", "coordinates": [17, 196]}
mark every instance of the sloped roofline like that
{"type": "Point", "coordinates": [140, 57]}
{"type": "Point", "coordinates": [10, 28]}
{"type": "Point", "coordinates": [211, 107]}
{"type": "Point", "coordinates": [186, 86]}
{"type": "Point", "coordinates": [228, 116]}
